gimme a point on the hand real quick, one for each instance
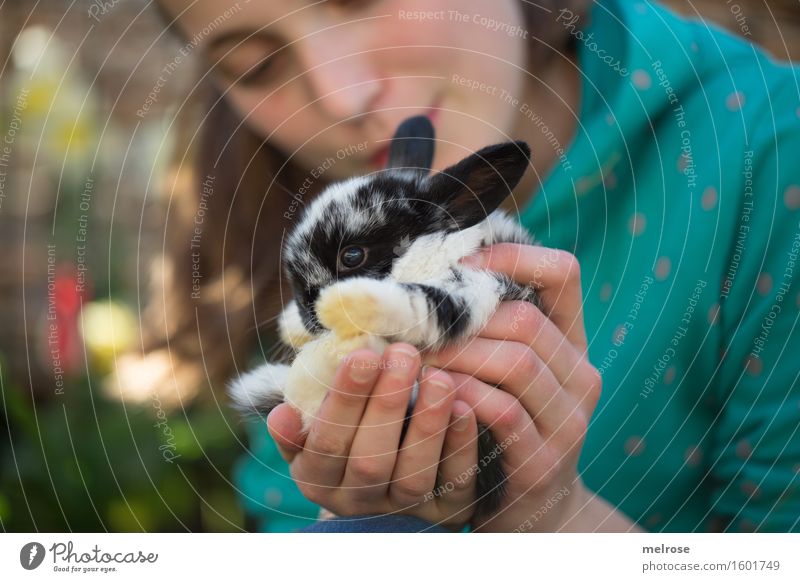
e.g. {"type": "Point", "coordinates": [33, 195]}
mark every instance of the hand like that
{"type": "Point", "coordinates": [549, 388]}
{"type": "Point", "coordinates": [352, 461]}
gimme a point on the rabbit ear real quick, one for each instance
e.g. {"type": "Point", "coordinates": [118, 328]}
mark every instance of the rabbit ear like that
{"type": "Point", "coordinates": [470, 190]}
{"type": "Point", "coordinates": [412, 145]}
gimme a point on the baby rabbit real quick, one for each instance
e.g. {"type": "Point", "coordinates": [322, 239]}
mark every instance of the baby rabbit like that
{"type": "Point", "coordinates": [375, 260]}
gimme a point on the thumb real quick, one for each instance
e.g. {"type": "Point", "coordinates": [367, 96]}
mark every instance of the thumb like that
{"type": "Point", "coordinates": [285, 426]}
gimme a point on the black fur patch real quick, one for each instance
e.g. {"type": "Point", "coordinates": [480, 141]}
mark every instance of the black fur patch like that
{"type": "Point", "coordinates": [452, 316]}
{"type": "Point", "coordinates": [510, 290]}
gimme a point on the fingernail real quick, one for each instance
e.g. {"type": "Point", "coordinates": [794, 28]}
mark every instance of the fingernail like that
{"type": "Point", "coordinates": [437, 391]}
{"type": "Point", "coordinates": [461, 423]}
{"type": "Point", "coordinates": [478, 259]}
{"type": "Point", "coordinates": [400, 361]}
{"type": "Point", "coordinates": [360, 371]}
{"type": "Point", "coordinates": [407, 351]}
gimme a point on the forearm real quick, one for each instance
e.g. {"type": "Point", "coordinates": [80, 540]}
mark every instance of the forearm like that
{"type": "Point", "coordinates": [580, 511]}
{"type": "Point", "coordinates": [592, 513]}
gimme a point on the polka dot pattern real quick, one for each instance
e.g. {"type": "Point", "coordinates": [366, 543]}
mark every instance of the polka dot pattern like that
{"type": "Point", "coordinates": [637, 223]}
{"type": "Point", "coordinates": [610, 181]}
{"type": "Point", "coordinates": [713, 314]}
{"type": "Point", "coordinates": [654, 520]}
{"type": "Point", "coordinates": [605, 291]}
{"type": "Point", "coordinates": [753, 365]}
{"type": "Point", "coordinates": [663, 268]}
{"type": "Point", "coordinates": [709, 199]}
{"type": "Point", "coordinates": [750, 489]}
{"type": "Point", "coordinates": [683, 162]}
{"type": "Point", "coordinates": [584, 185]}
{"type": "Point", "coordinates": [744, 449]}
{"type": "Point", "coordinates": [747, 525]}
{"type": "Point", "coordinates": [764, 284]}
{"type": "Point", "coordinates": [735, 101]}
{"type": "Point", "coordinates": [634, 446]}
{"type": "Point", "coordinates": [693, 456]}
{"type": "Point", "coordinates": [791, 197]}
{"type": "Point", "coordinates": [641, 79]}
{"type": "Point", "coordinates": [273, 497]}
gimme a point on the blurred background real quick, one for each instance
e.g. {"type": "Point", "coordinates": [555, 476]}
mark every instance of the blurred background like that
{"type": "Point", "coordinates": [97, 119]}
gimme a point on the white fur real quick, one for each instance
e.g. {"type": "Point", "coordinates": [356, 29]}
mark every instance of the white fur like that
{"type": "Point", "coordinates": [291, 328]}
{"type": "Point", "coordinates": [261, 384]}
{"type": "Point", "coordinates": [432, 256]}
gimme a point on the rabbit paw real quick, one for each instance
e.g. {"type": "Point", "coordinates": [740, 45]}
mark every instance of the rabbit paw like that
{"type": "Point", "coordinates": [363, 306]}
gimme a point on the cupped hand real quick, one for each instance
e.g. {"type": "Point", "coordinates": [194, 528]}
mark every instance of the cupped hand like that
{"type": "Point", "coordinates": [548, 389]}
{"type": "Point", "coordinates": [353, 460]}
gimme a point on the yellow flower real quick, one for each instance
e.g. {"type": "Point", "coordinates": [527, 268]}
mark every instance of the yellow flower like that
{"type": "Point", "coordinates": [108, 329]}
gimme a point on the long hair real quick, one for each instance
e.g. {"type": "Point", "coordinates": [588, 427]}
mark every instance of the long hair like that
{"type": "Point", "coordinates": [218, 297]}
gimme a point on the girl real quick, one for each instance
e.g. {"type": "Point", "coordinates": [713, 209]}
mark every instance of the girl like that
{"type": "Point", "coordinates": [666, 199]}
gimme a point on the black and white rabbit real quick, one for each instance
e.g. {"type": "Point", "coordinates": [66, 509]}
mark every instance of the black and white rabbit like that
{"type": "Point", "coordinates": [375, 260]}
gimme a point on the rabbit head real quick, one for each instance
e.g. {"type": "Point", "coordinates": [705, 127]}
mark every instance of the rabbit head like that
{"type": "Point", "coordinates": [366, 225]}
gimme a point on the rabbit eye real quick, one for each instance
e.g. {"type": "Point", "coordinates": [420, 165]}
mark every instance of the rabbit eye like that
{"type": "Point", "coordinates": [353, 256]}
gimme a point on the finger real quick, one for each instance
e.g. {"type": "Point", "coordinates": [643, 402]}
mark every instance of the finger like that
{"type": "Point", "coordinates": [509, 423]}
{"type": "Point", "coordinates": [519, 371]}
{"type": "Point", "coordinates": [458, 467]}
{"type": "Point", "coordinates": [554, 273]}
{"type": "Point", "coordinates": [374, 450]}
{"type": "Point", "coordinates": [523, 322]}
{"type": "Point", "coordinates": [419, 455]}
{"type": "Point", "coordinates": [329, 439]}
{"type": "Point", "coordinates": [286, 428]}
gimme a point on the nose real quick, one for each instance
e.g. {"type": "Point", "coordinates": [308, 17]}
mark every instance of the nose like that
{"type": "Point", "coordinates": [340, 74]}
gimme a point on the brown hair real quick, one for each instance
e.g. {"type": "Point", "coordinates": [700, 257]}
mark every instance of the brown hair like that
{"type": "Point", "coordinates": [244, 187]}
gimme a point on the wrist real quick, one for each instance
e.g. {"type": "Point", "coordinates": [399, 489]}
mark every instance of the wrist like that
{"type": "Point", "coordinates": [591, 513]}
{"type": "Point", "coordinates": [540, 515]}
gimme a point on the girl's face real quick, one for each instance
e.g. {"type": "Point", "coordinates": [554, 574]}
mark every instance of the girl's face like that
{"type": "Point", "coordinates": [331, 80]}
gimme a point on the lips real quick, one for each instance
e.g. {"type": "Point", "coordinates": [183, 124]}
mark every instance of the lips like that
{"type": "Point", "coordinates": [380, 158]}
{"type": "Point", "coordinates": [433, 111]}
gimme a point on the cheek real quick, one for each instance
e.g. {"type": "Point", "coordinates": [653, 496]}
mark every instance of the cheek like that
{"type": "Point", "coordinates": [284, 118]}
{"type": "Point", "coordinates": [276, 115]}
{"type": "Point", "coordinates": [473, 49]}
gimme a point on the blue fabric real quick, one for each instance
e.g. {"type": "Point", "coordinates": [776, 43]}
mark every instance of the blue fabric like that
{"type": "Point", "coordinates": [374, 524]}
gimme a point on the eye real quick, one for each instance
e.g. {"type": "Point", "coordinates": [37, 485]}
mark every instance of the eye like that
{"type": "Point", "coordinates": [353, 256]}
{"type": "Point", "coordinates": [263, 72]}
{"type": "Point", "coordinates": [255, 61]}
